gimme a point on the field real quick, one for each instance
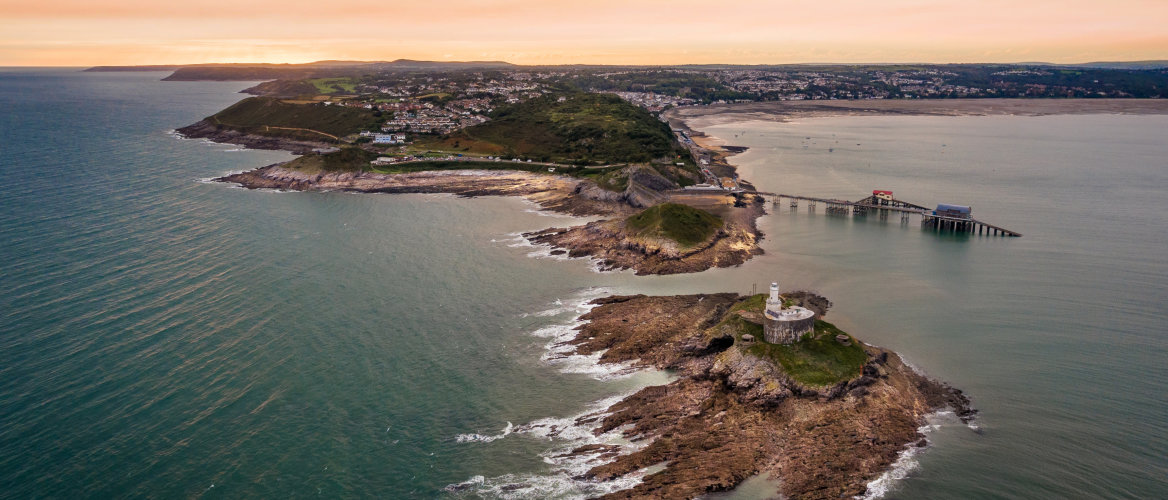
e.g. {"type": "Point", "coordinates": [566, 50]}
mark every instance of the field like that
{"type": "Point", "coordinates": [333, 85]}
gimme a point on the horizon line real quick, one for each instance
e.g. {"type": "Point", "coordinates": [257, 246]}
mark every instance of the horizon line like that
{"type": "Point", "coordinates": [819, 63]}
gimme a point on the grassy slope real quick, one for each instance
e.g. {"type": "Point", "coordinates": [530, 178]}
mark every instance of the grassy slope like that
{"type": "Point", "coordinates": [347, 159]}
{"type": "Point", "coordinates": [686, 225]}
{"type": "Point", "coordinates": [597, 128]}
{"type": "Point", "coordinates": [257, 114]}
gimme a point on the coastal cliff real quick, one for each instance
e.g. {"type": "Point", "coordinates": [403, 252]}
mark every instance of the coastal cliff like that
{"type": "Point", "coordinates": [733, 413]}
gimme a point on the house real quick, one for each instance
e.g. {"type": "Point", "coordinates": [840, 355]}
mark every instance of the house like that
{"type": "Point", "coordinates": [389, 138]}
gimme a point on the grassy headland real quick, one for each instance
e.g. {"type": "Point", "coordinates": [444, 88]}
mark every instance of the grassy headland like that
{"type": "Point", "coordinates": [684, 224]}
{"type": "Point", "coordinates": [570, 128]}
{"type": "Point", "coordinates": [274, 117]}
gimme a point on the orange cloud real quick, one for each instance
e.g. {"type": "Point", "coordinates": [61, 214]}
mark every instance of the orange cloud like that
{"type": "Point", "coordinates": [90, 32]}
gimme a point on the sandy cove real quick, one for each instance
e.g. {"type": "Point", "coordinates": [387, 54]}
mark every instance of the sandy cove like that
{"type": "Point", "coordinates": [698, 117]}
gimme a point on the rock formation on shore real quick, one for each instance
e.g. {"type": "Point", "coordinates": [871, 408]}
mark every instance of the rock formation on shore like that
{"type": "Point", "coordinates": [614, 247]}
{"type": "Point", "coordinates": [731, 414]}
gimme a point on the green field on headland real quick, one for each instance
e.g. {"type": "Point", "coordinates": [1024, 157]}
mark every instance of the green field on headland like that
{"type": "Point", "coordinates": [684, 224]}
{"type": "Point", "coordinates": [269, 116]}
{"type": "Point", "coordinates": [331, 85]}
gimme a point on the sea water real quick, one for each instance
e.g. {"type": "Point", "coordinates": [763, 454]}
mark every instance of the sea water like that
{"type": "Point", "coordinates": [165, 336]}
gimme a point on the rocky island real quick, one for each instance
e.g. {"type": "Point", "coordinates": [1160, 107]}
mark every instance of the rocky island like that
{"type": "Point", "coordinates": [824, 415]}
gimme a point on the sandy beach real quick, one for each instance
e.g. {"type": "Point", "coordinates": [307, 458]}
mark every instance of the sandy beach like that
{"type": "Point", "coordinates": [698, 117]}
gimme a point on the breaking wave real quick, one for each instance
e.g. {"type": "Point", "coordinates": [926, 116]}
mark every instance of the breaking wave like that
{"type": "Point", "coordinates": [906, 462]}
{"type": "Point", "coordinates": [566, 478]}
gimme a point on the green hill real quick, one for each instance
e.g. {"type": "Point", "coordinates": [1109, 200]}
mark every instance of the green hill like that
{"type": "Point", "coordinates": [269, 116]}
{"type": "Point", "coordinates": [684, 224]}
{"type": "Point", "coordinates": [575, 127]}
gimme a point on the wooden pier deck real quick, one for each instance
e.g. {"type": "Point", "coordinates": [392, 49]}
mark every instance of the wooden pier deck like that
{"type": "Point", "coordinates": [929, 218]}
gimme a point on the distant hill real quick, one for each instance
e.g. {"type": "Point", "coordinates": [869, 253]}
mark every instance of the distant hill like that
{"type": "Point", "coordinates": [585, 127]}
{"type": "Point", "coordinates": [266, 71]}
{"type": "Point", "coordinates": [117, 69]}
{"type": "Point", "coordinates": [1119, 65]}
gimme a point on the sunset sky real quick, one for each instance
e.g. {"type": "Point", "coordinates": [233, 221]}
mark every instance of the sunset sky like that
{"type": "Point", "coordinates": [122, 32]}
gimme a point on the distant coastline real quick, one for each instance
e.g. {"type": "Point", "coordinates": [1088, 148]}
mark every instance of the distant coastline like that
{"type": "Point", "coordinates": [698, 117]}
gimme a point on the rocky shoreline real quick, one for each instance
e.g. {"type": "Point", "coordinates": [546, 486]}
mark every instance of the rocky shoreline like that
{"type": "Point", "coordinates": [730, 415]}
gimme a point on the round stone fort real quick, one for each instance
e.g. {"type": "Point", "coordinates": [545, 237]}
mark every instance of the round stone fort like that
{"type": "Point", "coordinates": [785, 325]}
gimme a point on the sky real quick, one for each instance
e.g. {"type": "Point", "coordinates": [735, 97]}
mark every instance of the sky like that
{"type": "Point", "coordinates": [128, 32]}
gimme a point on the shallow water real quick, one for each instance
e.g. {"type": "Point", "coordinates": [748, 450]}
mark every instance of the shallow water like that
{"type": "Point", "coordinates": [169, 337]}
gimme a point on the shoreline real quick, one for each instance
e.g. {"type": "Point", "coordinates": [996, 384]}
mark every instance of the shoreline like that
{"type": "Point", "coordinates": [697, 117]}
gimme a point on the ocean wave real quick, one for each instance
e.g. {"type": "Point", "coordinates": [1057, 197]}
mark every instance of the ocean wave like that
{"type": "Point", "coordinates": [906, 461]}
{"type": "Point", "coordinates": [565, 479]}
{"type": "Point", "coordinates": [561, 354]}
{"type": "Point", "coordinates": [480, 438]}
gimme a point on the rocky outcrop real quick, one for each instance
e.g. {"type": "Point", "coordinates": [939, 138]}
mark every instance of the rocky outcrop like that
{"type": "Point", "coordinates": [552, 192]}
{"type": "Point", "coordinates": [730, 415]}
{"type": "Point", "coordinates": [616, 248]}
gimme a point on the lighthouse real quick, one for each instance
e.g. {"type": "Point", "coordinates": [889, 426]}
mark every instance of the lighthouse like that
{"type": "Point", "coordinates": [774, 302]}
{"type": "Point", "coordinates": [785, 325]}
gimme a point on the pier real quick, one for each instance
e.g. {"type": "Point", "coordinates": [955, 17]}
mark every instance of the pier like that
{"type": "Point", "coordinates": [944, 219]}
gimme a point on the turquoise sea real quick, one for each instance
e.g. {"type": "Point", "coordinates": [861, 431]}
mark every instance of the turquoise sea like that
{"type": "Point", "coordinates": [162, 336]}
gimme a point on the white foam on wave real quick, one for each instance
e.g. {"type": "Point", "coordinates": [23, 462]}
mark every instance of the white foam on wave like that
{"type": "Point", "coordinates": [906, 462]}
{"type": "Point", "coordinates": [544, 251]}
{"type": "Point", "coordinates": [564, 480]}
{"type": "Point", "coordinates": [480, 438]}
{"type": "Point", "coordinates": [559, 353]}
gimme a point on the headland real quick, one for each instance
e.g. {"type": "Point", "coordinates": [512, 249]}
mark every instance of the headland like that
{"type": "Point", "coordinates": [633, 164]}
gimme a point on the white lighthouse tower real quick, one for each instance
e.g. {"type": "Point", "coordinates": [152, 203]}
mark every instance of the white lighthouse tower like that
{"type": "Point", "coordinates": [774, 302]}
{"type": "Point", "coordinates": [785, 325]}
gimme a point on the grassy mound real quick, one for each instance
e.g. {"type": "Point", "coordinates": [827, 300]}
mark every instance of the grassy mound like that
{"type": "Point", "coordinates": [684, 224]}
{"type": "Point", "coordinates": [575, 127]}
{"type": "Point", "coordinates": [347, 159]}
{"type": "Point", "coordinates": [269, 116]}
{"type": "Point", "coordinates": [817, 359]}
